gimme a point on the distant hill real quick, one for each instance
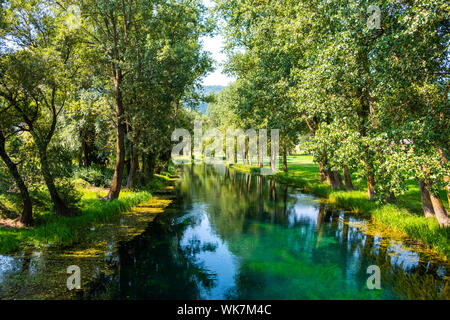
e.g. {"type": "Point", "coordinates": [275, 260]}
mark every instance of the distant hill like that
{"type": "Point", "coordinates": [215, 89]}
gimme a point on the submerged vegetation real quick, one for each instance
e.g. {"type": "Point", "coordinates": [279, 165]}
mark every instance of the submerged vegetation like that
{"type": "Point", "coordinates": [405, 214]}
{"type": "Point", "coordinates": [92, 210]}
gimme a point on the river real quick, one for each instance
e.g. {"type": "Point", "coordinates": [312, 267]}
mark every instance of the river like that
{"type": "Point", "coordinates": [232, 235]}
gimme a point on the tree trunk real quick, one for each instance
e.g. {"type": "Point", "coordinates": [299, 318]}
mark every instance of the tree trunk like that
{"type": "Point", "coordinates": [348, 179]}
{"type": "Point", "coordinates": [127, 165]}
{"type": "Point", "coordinates": [444, 161]}
{"type": "Point", "coordinates": [133, 167]}
{"type": "Point", "coordinates": [116, 185]}
{"type": "Point", "coordinates": [338, 180]}
{"type": "Point", "coordinates": [128, 151]}
{"type": "Point", "coordinates": [323, 172]}
{"type": "Point", "coordinates": [364, 111]}
{"type": "Point", "coordinates": [272, 160]}
{"type": "Point", "coordinates": [285, 167]}
{"type": "Point", "coordinates": [86, 155]}
{"type": "Point", "coordinates": [370, 186]}
{"type": "Point", "coordinates": [331, 179]}
{"type": "Point", "coordinates": [165, 158]}
{"type": "Point", "coordinates": [150, 166]}
{"type": "Point", "coordinates": [27, 213]}
{"type": "Point", "coordinates": [143, 168]}
{"type": "Point", "coordinates": [334, 179]}
{"type": "Point", "coordinates": [259, 160]}
{"type": "Point", "coordinates": [439, 210]}
{"type": "Point", "coordinates": [426, 200]}
{"type": "Point", "coordinates": [87, 136]}
{"type": "Point", "coordinates": [61, 209]}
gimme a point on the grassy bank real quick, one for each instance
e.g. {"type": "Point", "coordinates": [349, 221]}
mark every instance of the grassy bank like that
{"type": "Point", "coordinates": [405, 214]}
{"type": "Point", "coordinates": [50, 229]}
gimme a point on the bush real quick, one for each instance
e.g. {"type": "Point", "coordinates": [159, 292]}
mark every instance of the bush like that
{"type": "Point", "coordinates": [7, 209]}
{"type": "Point", "coordinates": [155, 184]}
{"type": "Point", "coordinates": [68, 193]}
{"type": "Point", "coordinates": [99, 177]}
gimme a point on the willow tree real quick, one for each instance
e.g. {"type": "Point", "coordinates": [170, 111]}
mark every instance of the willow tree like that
{"type": "Point", "coordinates": [149, 51]}
{"type": "Point", "coordinates": [6, 128]}
{"type": "Point", "coordinates": [109, 27]}
{"type": "Point", "coordinates": [27, 211]}
{"type": "Point", "coordinates": [412, 58]}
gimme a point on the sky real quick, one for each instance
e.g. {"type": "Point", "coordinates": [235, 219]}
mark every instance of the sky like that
{"type": "Point", "coordinates": [215, 46]}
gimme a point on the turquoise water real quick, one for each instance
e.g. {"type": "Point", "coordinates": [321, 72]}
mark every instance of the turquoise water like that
{"type": "Point", "coordinates": [238, 236]}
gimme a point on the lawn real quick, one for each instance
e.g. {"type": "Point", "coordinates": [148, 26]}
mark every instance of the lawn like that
{"type": "Point", "coordinates": [405, 214]}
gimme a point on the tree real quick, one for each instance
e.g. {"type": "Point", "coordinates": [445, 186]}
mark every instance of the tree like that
{"type": "Point", "coordinates": [37, 76]}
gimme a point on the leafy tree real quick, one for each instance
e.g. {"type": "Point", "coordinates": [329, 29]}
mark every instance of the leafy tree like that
{"type": "Point", "coordinates": [36, 78]}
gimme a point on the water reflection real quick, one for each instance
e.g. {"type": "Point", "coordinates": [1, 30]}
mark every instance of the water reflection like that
{"type": "Point", "coordinates": [238, 236]}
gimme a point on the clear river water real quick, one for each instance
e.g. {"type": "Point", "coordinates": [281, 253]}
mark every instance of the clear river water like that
{"type": "Point", "coordinates": [240, 236]}
{"type": "Point", "coordinates": [232, 235]}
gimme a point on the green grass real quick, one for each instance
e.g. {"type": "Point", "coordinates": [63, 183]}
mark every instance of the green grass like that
{"type": "Point", "coordinates": [405, 214]}
{"type": "Point", "coordinates": [50, 229]}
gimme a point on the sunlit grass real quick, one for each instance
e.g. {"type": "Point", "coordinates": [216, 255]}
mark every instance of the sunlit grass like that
{"type": "Point", "coordinates": [54, 230]}
{"type": "Point", "coordinates": [405, 214]}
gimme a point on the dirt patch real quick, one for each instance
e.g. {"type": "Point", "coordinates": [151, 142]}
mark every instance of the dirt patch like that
{"type": "Point", "coordinates": [11, 223]}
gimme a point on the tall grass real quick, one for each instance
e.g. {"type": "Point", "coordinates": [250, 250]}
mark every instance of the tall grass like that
{"type": "Point", "coordinates": [66, 230]}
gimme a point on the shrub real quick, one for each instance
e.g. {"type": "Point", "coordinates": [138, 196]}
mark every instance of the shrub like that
{"type": "Point", "coordinates": [99, 177]}
{"type": "Point", "coordinates": [68, 193]}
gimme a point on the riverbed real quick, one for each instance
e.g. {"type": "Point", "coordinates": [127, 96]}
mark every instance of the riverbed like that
{"type": "Point", "coordinates": [232, 235]}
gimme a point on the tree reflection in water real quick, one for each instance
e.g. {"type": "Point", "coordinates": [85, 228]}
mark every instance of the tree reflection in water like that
{"type": "Point", "coordinates": [238, 236]}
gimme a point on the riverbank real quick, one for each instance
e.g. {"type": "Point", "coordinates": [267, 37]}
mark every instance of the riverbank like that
{"type": "Point", "coordinates": [404, 215]}
{"type": "Point", "coordinates": [40, 272]}
{"type": "Point", "coordinates": [52, 230]}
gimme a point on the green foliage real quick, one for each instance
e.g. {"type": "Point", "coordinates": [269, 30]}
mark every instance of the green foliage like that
{"type": "Point", "coordinates": [57, 96]}
{"type": "Point", "coordinates": [56, 230]}
{"type": "Point", "coordinates": [68, 193]}
{"type": "Point", "coordinates": [96, 176]}
{"type": "Point", "coordinates": [5, 179]}
{"type": "Point", "coordinates": [404, 215]}
{"type": "Point", "coordinates": [375, 100]}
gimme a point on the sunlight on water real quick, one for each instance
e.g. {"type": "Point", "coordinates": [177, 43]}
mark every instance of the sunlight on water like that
{"type": "Point", "coordinates": [238, 236]}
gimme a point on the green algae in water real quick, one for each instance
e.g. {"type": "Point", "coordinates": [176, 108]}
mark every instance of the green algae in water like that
{"type": "Point", "coordinates": [232, 236]}
{"type": "Point", "coordinates": [236, 236]}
